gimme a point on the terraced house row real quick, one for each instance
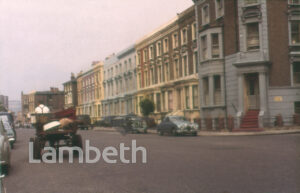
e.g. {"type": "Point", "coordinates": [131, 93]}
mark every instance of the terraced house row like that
{"type": "Point", "coordinates": [216, 59]}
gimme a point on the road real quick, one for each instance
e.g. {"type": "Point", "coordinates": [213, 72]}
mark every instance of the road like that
{"type": "Point", "coordinates": [230, 164]}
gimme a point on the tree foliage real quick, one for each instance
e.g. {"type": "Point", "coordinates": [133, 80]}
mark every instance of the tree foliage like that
{"type": "Point", "coordinates": [147, 106]}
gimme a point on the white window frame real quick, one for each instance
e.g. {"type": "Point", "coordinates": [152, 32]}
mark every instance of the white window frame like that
{"type": "Point", "coordinates": [204, 22]}
{"type": "Point", "coordinates": [251, 4]}
{"type": "Point", "coordinates": [219, 10]}
{"type": "Point", "coordinates": [166, 46]}
{"type": "Point", "coordinates": [185, 67]}
{"type": "Point", "coordinates": [208, 33]}
{"type": "Point", "coordinates": [195, 59]}
{"type": "Point", "coordinates": [151, 52]}
{"type": "Point", "coordinates": [158, 48]}
{"type": "Point", "coordinates": [294, 2]}
{"type": "Point", "coordinates": [144, 55]}
{"type": "Point", "coordinates": [292, 73]}
{"type": "Point", "coordinates": [290, 32]}
{"type": "Point", "coordinates": [182, 36]}
{"type": "Point", "coordinates": [194, 31]}
{"type": "Point", "coordinates": [175, 40]}
{"type": "Point", "coordinates": [212, 45]}
{"type": "Point", "coordinates": [246, 36]}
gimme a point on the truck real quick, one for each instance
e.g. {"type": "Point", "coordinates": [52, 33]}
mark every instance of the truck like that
{"type": "Point", "coordinates": [49, 128]}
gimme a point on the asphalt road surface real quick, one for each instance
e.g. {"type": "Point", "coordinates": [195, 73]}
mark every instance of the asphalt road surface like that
{"type": "Point", "coordinates": [237, 164]}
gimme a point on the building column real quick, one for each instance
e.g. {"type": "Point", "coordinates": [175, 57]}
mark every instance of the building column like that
{"type": "Point", "coordinates": [222, 89]}
{"type": "Point", "coordinates": [263, 91]}
{"type": "Point", "coordinates": [155, 101]}
{"type": "Point", "coordinates": [211, 90]}
{"type": "Point", "coordinates": [241, 92]}
{"type": "Point", "coordinates": [191, 97]}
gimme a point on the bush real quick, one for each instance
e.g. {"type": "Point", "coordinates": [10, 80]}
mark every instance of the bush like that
{"type": "Point", "coordinates": [147, 106]}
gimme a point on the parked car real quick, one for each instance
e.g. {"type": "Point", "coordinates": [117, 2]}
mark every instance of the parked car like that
{"type": "Point", "coordinates": [136, 124]}
{"type": "Point", "coordinates": [4, 150]}
{"type": "Point", "coordinates": [7, 117]}
{"type": "Point", "coordinates": [131, 123]}
{"type": "Point", "coordinates": [11, 133]}
{"type": "Point", "coordinates": [84, 122]}
{"type": "Point", "coordinates": [177, 125]}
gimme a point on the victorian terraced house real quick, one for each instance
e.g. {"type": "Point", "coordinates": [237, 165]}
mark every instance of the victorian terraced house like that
{"type": "Point", "coordinates": [167, 68]}
{"type": "Point", "coordinates": [249, 59]}
{"type": "Point", "coordinates": [120, 83]}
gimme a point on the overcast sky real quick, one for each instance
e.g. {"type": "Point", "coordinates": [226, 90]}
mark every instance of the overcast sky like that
{"type": "Point", "coordinates": [43, 41]}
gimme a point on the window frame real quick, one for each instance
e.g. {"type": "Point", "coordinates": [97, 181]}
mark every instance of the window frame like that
{"type": "Point", "coordinates": [219, 10]}
{"type": "Point", "coordinates": [205, 19]}
{"type": "Point", "coordinates": [248, 38]}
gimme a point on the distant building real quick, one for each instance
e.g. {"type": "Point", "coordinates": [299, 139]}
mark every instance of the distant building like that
{"type": "Point", "coordinates": [120, 83]}
{"type": "Point", "coordinates": [167, 68]}
{"type": "Point", "coordinates": [15, 106]}
{"type": "Point", "coordinates": [54, 99]}
{"type": "Point", "coordinates": [90, 91]}
{"type": "Point", "coordinates": [70, 92]}
{"type": "Point", "coordinates": [4, 101]}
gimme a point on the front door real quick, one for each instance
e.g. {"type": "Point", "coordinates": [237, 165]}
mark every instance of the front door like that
{"type": "Point", "coordinates": [252, 91]}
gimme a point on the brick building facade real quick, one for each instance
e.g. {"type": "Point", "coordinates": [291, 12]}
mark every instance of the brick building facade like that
{"type": "Point", "coordinates": [90, 91]}
{"type": "Point", "coordinates": [257, 69]}
{"type": "Point", "coordinates": [167, 68]}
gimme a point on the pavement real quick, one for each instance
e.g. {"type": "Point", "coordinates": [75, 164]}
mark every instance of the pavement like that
{"type": "Point", "coordinates": [265, 131]}
{"type": "Point", "coordinates": [185, 164]}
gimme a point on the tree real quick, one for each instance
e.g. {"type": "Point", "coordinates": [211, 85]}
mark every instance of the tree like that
{"type": "Point", "coordinates": [147, 106]}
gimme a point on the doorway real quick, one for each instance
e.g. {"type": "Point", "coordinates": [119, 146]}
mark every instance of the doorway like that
{"type": "Point", "coordinates": [252, 91]}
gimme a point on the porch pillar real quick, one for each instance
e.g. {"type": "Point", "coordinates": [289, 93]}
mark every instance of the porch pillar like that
{"type": "Point", "coordinates": [155, 101]}
{"type": "Point", "coordinates": [222, 89]}
{"type": "Point", "coordinates": [241, 92]}
{"type": "Point", "coordinates": [262, 97]}
{"type": "Point", "coordinates": [262, 91]}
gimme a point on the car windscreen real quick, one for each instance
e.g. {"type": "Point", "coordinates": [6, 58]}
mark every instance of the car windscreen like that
{"type": "Point", "coordinates": [176, 119]}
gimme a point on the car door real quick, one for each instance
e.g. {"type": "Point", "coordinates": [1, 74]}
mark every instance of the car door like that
{"type": "Point", "coordinates": [5, 147]}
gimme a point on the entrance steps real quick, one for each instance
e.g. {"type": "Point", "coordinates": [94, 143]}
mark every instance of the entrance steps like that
{"type": "Point", "coordinates": [250, 122]}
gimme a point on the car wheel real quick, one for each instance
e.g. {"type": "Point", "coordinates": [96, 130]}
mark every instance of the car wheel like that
{"type": "Point", "coordinates": [5, 169]}
{"type": "Point", "coordinates": [161, 133]}
{"type": "Point", "coordinates": [36, 148]}
{"type": "Point", "coordinates": [174, 132]}
{"type": "Point", "coordinates": [76, 142]}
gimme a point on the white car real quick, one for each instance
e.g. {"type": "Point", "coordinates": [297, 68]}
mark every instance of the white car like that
{"type": "Point", "coordinates": [4, 150]}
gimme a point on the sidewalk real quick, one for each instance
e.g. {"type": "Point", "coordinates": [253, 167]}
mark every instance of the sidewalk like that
{"type": "Point", "coordinates": [267, 131]}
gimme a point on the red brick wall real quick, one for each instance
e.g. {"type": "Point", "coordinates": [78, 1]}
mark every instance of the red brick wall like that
{"type": "Point", "coordinates": [278, 42]}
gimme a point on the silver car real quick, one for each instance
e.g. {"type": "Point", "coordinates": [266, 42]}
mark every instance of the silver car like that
{"type": "Point", "coordinates": [177, 125]}
{"type": "Point", "coordinates": [4, 150]}
{"type": "Point", "coordinates": [11, 134]}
